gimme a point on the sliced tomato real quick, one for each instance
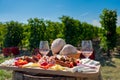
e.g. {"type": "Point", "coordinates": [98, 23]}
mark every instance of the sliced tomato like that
{"type": "Point", "coordinates": [20, 62]}
{"type": "Point", "coordinates": [46, 66]}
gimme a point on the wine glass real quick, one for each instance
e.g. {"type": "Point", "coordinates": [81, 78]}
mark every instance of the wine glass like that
{"type": "Point", "coordinates": [44, 47]}
{"type": "Point", "coordinates": [87, 48]}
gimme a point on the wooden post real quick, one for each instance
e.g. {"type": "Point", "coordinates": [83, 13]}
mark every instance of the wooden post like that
{"type": "Point", "coordinates": [17, 75]}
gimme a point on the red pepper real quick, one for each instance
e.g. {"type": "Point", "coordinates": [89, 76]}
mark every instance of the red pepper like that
{"type": "Point", "coordinates": [23, 62]}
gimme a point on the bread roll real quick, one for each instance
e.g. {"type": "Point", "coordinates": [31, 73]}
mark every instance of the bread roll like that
{"type": "Point", "coordinates": [57, 45]}
{"type": "Point", "coordinates": [68, 49]}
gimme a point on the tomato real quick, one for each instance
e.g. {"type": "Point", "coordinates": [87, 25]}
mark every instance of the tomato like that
{"type": "Point", "coordinates": [23, 62]}
{"type": "Point", "coordinates": [20, 62]}
{"type": "Point", "coordinates": [71, 65]}
{"type": "Point", "coordinates": [16, 63]}
{"type": "Point", "coordinates": [44, 64]}
{"type": "Point", "coordinates": [44, 67]}
{"type": "Point", "coordinates": [39, 56]}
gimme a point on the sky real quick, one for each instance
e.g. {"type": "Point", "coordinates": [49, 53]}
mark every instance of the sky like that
{"type": "Point", "coordinates": [83, 10]}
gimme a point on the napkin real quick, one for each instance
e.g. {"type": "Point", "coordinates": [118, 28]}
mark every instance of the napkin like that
{"type": "Point", "coordinates": [86, 69]}
{"type": "Point", "coordinates": [82, 68]}
{"type": "Point", "coordinates": [90, 62]}
{"type": "Point", "coordinates": [87, 65]}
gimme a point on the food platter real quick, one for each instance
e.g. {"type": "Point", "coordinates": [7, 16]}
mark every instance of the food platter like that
{"type": "Point", "coordinates": [53, 65]}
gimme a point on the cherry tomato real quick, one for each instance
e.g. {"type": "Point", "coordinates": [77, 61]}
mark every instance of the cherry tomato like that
{"type": "Point", "coordinates": [44, 64]}
{"type": "Point", "coordinates": [39, 56]}
{"type": "Point", "coordinates": [71, 65]}
{"type": "Point", "coordinates": [20, 62]}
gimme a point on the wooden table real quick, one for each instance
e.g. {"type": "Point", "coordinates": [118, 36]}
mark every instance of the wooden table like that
{"type": "Point", "coordinates": [41, 74]}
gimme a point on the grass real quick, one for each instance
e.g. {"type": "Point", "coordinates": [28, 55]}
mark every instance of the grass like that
{"type": "Point", "coordinates": [4, 74]}
{"type": "Point", "coordinates": [110, 69]}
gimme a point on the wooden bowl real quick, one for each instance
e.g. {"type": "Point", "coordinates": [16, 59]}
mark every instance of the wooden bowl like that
{"type": "Point", "coordinates": [77, 55]}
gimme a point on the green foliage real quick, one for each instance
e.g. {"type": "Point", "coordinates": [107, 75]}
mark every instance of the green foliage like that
{"type": "Point", "coordinates": [2, 32]}
{"type": "Point", "coordinates": [26, 33]}
{"type": "Point", "coordinates": [89, 31]}
{"type": "Point", "coordinates": [72, 30]}
{"type": "Point", "coordinates": [54, 30]}
{"type": "Point", "coordinates": [118, 30]}
{"type": "Point", "coordinates": [14, 34]}
{"type": "Point", "coordinates": [103, 39]}
{"type": "Point", "coordinates": [118, 36]}
{"type": "Point", "coordinates": [75, 31]}
{"type": "Point", "coordinates": [108, 22]}
{"type": "Point", "coordinates": [37, 32]}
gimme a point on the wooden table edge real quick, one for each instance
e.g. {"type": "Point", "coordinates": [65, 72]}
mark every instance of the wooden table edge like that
{"type": "Point", "coordinates": [53, 72]}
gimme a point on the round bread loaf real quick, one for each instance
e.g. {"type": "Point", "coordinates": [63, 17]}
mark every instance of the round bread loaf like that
{"type": "Point", "coordinates": [68, 49]}
{"type": "Point", "coordinates": [57, 45]}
